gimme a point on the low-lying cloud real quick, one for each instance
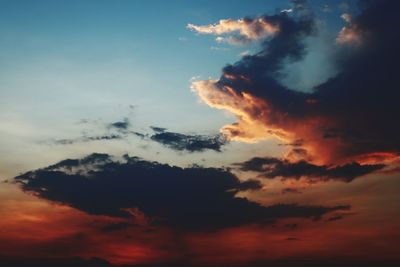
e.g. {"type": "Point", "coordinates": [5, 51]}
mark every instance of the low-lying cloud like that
{"type": "Point", "coordinates": [187, 198]}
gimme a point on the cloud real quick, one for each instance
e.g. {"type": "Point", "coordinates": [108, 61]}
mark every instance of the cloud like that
{"type": "Point", "coordinates": [158, 129]}
{"type": "Point", "coordinates": [186, 198]}
{"type": "Point", "coordinates": [335, 218]}
{"type": "Point", "coordinates": [242, 30]}
{"type": "Point", "coordinates": [350, 117]}
{"type": "Point", "coordinates": [85, 139]}
{"type": "Point", "coordinates": [349, 34]}
{"type": "Point", "coordinates": [120, 125]}
{"type": "Point", "coordinates": [113, 131]}
{"type": "Point", "coordinates": [121, 130]}
{"type": "Point", "coordinates": [274, 167]}
{"type": "Point", "coordinates": [291, 191]}
{"type": "Point", "coordinates": [191, 143]}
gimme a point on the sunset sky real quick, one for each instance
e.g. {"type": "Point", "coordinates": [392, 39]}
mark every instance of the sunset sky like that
{"type": "Point", "coordinates": [204, 133]}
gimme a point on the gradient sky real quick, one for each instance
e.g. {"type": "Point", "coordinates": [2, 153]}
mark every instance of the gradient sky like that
{"type": "Point", "coordinates": [296, 121]}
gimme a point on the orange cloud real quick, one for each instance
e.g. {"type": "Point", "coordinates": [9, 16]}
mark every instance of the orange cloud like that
{"type": "Point", "coordinates": [349, 117]}
{"type": "Point", "coordinates": [349, 34]}
{"type": "Point", "coordinates": [249, 110]}
{"type": "Point", "coordinates": [247, 29]}
{"type": "Point", "coordinates": [258, 120]}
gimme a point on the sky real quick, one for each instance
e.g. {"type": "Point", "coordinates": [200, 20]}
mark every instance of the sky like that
{"type": "Point", "coordinates": [199, 133]}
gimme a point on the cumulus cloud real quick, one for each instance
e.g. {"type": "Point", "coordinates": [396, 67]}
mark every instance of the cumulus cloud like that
{"type": "Point", "coordinates": [187, 198]}
{"type": "Point", "coordinates": [350, 117]}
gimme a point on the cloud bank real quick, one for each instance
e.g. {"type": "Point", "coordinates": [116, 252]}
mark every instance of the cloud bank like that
{"type": "Point", "coordinates": [185, 198]}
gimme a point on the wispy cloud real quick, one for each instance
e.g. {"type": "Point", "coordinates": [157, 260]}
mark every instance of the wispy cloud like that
{"type": "Point", "coordinates": [238, 31]}
{"type": "Point", "coordinates": [191, 143]}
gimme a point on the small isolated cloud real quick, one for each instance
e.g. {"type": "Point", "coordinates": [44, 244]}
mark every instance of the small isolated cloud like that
{"type": "Point", "coordinates": [335, 218]}
{"type": "Point", "coordinates": [238, 31]}
{"type": "Point", "coordinates": [185, 142]}
{"type": "Point", "coordinates": [120, 125]}
{"type": "Point", "coordinates": [244, 53]}
{"type": "Point", "coordinates": [158, 129]}
{"type": "Point", "coordinates": [112, 131]}
{"type": "Point", "coordinates": [290, 190]}
{"type": "Point", "coordinates": [188, 198]}
{"type": "Point", "coordinates": [84, 139]}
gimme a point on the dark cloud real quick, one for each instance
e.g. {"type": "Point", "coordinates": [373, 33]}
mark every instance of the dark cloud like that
{"type": "Point", "coordinates": [158, 129]}
{"type": "Point", "coordinates": [274, 167]}
{"type": "Point", "coordinates": [120, 125]}
{"type": "Point", "coordinates": [335, 218]}
{"type": "Point", "coordinates": [291, 190]}
{"type": "Point", "coordinates": [188, 198]}
{"type": "Point", "coordinates": [191, 143]}
{"type": "Point", "coordinates": [138, 134]}
{"type": "Point", "coordinates": [85, 139]}
{"type": "Point", "coordinates": [351, 116]}
{"type": "Point", "coordinates": [250, 185]}
{"type": "Point", "coordinates": [120, 130]}
{"type": "Point", "coordinates": [115, 131]}
{"type": "Point", "coordinates": [112, 227]}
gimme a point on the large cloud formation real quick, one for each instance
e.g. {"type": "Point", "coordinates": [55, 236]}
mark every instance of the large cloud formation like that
{"type": "Point", "coordinates": [350, 117]}
{"type": "Point", "coordinates": [186, 198]}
